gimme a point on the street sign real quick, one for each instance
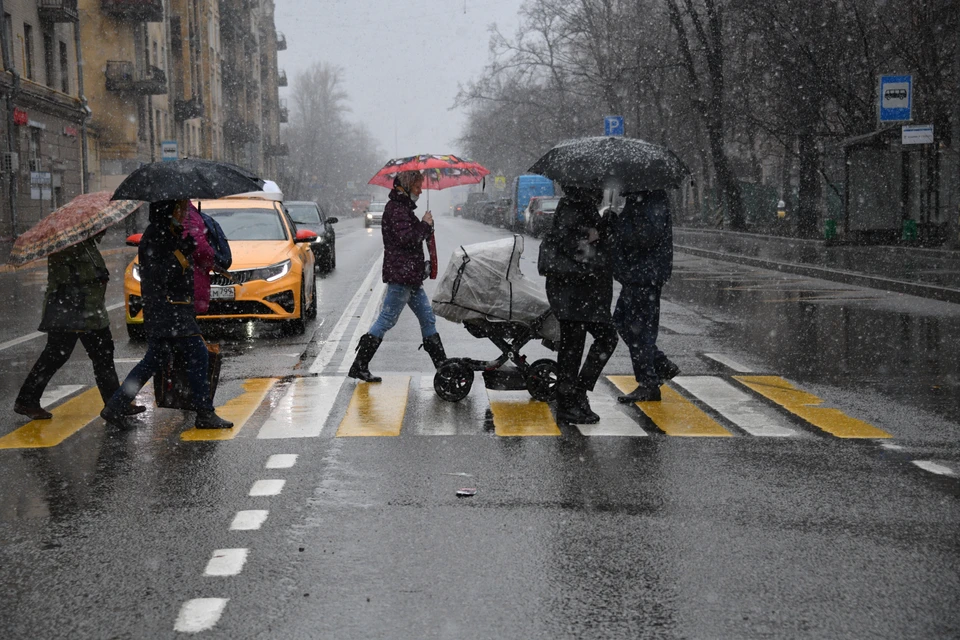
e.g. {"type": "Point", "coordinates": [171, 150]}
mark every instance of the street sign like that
{"type": "Point", "coordinates": [918, 134]}
{"type": "Point", "coordinates": [500, 183]}
{"type": "Point", "coordinates": [613, 126]}
{"type": "Point", "coordinates": [168, 150]}
{"type": "Point", "coordinates": [896, 98]}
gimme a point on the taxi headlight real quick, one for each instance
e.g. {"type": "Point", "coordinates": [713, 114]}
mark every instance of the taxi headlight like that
{"type": "Point", "coordinates": [271, 273]}
{"type": "Point", "coordinates": [135, 272]}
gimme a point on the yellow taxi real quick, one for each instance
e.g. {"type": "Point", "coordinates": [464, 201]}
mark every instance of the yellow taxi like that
{"type": "Point", "coordinates": [271, 278]}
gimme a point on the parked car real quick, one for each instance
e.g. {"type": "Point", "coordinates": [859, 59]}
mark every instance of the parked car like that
{"type": "Point", "coordinates": [524, 188]}
{"type": "Point", "coordinates": [499, 210]}
{"type": "Point", "coordinates": [310, 216]}
{"type": "Point", "coordinates": [272, 275]}
{"type": "Point", "coordinates": [373, 214]}
{"type": "Point", "coordinates": [538, 216]}
{"type": "Point", "coordinates": [473, 207]}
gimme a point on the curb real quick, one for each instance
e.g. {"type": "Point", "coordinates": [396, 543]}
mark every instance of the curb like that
{"type": "Point", "coordinates": [944, 294]}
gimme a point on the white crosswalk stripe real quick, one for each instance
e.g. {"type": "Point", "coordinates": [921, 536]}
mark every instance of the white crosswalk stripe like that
{"type": "Point", "coordinates": [614, 420]}
{"type": "Point", "coordinates": [303, 411]}
{"type": "Point", "coordinates": [736, 406]}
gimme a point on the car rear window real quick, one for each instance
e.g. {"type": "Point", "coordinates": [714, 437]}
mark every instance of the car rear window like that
{"type": "Point", "coordinates": [549, 205]}
{"type": "Point", "coordinates": [376, 207]}
{"type": "Point", "coordinates": [249, 224]}
{"type": "Point", "coordinates": [304, 213]}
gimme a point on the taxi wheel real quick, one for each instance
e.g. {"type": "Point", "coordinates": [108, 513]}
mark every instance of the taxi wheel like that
{"type": "Point", "coordinates": [312, 309]}
{"type": "Point", "coordinates": [299, 325]}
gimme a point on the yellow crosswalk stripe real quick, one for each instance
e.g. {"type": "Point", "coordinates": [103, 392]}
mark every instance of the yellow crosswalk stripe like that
{"type": "Point", "coordinates": [515, 413]}
{"type": "Point", "coordinates": [376, 409]}
{"type": "Point", "coordinates": [805, 405]}
{"type": "Point", "coordinates": [674, 414]}
{"type": "Point", "coordinates": [68, 418]}
{"type": "Point", "coordinates": [237, 410]}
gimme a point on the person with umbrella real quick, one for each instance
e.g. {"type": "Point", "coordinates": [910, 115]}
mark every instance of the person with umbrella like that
{"type": "Point", "coordinates": [642, 236]}
{"type": "Point", "coordinates": [574, 259]}
{"type": "Point", "coordinates": [74, 308]}
{"type": "Point", "coordinates": [166, 272]}
{"type": "Point", "coordinates": [404, 272]}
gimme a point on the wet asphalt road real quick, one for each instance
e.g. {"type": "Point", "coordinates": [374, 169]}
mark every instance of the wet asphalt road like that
{"type": "Point", "coordinates": [571, 534]}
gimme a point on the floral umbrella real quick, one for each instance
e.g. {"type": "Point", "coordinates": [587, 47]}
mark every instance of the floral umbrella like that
{"type": "Point", "coordinates": [83, 217]}
{"type": "Point", "coordinates": [439, 172]}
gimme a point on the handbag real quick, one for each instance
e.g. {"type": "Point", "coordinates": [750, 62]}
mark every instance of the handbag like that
{"type": "Point", "coordinates": [171, 385]}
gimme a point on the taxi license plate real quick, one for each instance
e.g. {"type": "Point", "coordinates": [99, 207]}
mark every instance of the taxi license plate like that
{"type": "Point", "coordinates": [222, 293]}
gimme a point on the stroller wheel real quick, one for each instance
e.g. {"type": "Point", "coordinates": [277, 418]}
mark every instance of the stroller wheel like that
{"type": "Point", "coordinates": [453, 381]}
{"type": "Point", "coordinates": [542, 380]}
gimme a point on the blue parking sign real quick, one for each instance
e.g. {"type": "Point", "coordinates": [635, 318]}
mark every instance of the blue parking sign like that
{"type": "Point", "coordinates": [896, 98]}
{"type": "Point", "coordinates": [613, 126]}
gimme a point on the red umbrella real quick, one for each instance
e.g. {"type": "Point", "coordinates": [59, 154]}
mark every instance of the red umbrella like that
{"type": "Point", "coordinates": [83, 217]}
{"type": "Point", "coordinates": [439, 172]}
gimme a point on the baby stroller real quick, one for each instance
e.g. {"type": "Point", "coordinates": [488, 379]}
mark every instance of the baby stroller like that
{"type": "Point", "coordinates": [483, 288]}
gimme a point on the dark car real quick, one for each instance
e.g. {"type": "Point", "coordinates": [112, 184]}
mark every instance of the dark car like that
{"type": "Point", "coordinates": [499, 211]}
{"type": "Point", "coordinates": [538, 216]}
{"type": "Point", "coordinates": [309, 215]}
{"type": "Point", "coordinates": [473, 207]}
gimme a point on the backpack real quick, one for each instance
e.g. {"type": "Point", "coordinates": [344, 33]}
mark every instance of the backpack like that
{"type": "Point", "coordinates": [222, 257]}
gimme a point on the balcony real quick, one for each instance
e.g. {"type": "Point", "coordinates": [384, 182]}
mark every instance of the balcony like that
{"type": "Point", "coordinates": [273, 150]}
{"type": "Point", "coordinates": [281, 42]}
{"type": "Point", "coordinates": [187, 109]}
{"type": "Point", "coordinates": [122, 78]}
{"type": "Point", "coordinates": [134, 10]}
{"type": "Point", "coordinates": [53, 11]}
{"type": "Point", "coordinates": [281, 78]}
{"type": "Point", "coordinates": [241, 132]}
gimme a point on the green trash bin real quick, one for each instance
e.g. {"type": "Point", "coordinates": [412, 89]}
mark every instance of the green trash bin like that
{"type": "Point", "coordinates": [829, 229]}
{"type": "Point", "coordinates": [909, 230]}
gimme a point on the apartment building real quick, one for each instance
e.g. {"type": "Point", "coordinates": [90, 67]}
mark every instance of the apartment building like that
{"type": "Point", "coordinates": [41, 111]}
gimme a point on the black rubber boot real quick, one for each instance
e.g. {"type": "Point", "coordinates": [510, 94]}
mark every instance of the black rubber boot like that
{"type": "Point", "coordinates": [584, 403]}
{"type": "Point", "coordinates": [360, 370]}
{"type": "Point", "coordinates": [434, 348]}
{"type": "Point", "coordinates": [210, 420]}
{"type": "Point", "coordinates": [569, 406]}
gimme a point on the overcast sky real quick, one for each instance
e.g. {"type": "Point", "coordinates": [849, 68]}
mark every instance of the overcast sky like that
{"type": "Point", "coordinates": [402, 60]}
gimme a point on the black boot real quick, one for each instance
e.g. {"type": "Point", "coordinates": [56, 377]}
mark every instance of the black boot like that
{"type": "Point", "coordinates": [210, 420]}
{"type": "Point", "coordinates": [666, 369]}
{"type": "Point", "coordinates": [643, 393]}
{"type": "Point", "coordinates": [584, 403]}
{"type": "Point", "coordinates": [569, 409]}
{"type": "Point", "coordinates": [434, 348]}
{"type": "Point", "coordinates": [360, 370]}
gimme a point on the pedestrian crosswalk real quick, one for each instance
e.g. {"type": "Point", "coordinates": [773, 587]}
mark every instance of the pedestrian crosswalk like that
{"type": "Point", "coordinates": [704, 406]}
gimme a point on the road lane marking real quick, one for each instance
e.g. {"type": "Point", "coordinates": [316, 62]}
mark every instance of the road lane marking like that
{"type": "Point", "coordinates": [271, 487]}
{"type": "Point", "coordinates": [935, 467]}
{"type": "Point", "coordinates": [329, 349]}
{"type": "Point", "coordinates": [674, 414]}
{"type": "Point", "coordinates": [237, 410]}
{"type": "Point", "coordinates": [736, 406]}
{"type": "Point", "coordinates": [515, 413]}
{"type": "Point", "coordinates": [370, 312]}
{"type": "Point", "coordinates": [303, 410]}
{"type": "Point", "coordinates": [376, 409]}
{"type": "Point", "coordinates": [249, 520]}
{"type": "Point", "coordinates": [613, 421]}
{"type": "Point", "coordinates": [58, 392]}
{"type": "Point", "coordinates": [200, 614]}
{"type": "Point", "coordinates": [226, 562]}
{"type": "Point", "coordinates": [727, 361]}
{"type": "Point", "coordinates": [805, 405]}
{"type": "Point", "coordinates": [68, 418]}
{"type": "Point", "coordinates": [281, 461]}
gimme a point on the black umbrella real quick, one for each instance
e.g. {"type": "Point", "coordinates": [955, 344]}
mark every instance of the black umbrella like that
{"type": "Point", "coordinates": [186, 179]}
{"type": "Point", "coordinates": [627, 164]}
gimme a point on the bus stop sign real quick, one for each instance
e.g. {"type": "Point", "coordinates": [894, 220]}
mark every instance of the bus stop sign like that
{"type": "Point", "coordinates": [896, 98]}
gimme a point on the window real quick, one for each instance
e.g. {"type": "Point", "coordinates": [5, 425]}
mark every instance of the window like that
{"type": "Point", "coordinates": [28, 51]}
{"type": "Point", "coordinates": [156, 58]}
{"type": "Point", "coordinates": [158, 125]}
{"type": "Point", "coordinates": [48, 70]}
{"type": "Point", "coordinates": [64, 68]}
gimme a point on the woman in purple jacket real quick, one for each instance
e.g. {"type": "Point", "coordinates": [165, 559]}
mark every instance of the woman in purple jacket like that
{"type": "Point", "coordinates": [404, 270]}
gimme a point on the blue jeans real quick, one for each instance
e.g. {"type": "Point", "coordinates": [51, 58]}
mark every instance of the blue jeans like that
{"type": "Point", "coordinates": [399, 296]}
{"type": "Point", "coordinates": [195, 352]}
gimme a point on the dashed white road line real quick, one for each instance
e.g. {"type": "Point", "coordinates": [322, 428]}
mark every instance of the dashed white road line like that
{"type": "Point", "coordinates": [226, 562]}
{"type": "Point", "coordinates": [249, 520]}
{"type": "Point", "coordinates": [730, 362]}
{"type": "Point", "coordinates": [199, 614]}
{"type": "Point", "coordinates": [271, 487]}
{"type": "Point", "coordinates": [281, 461]}
{"type": "Point", "coordinates": [935, 467]}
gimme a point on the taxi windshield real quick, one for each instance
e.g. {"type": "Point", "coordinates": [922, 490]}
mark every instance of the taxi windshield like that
{"type": "Point", "coordinates": [249, 224]}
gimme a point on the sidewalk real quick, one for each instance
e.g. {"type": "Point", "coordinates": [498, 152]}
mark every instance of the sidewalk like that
{"type": "Point", "coordinates": [929, 273]}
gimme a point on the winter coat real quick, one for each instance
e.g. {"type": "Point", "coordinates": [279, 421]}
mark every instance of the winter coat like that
{"type": "Point", "coordinates": [584, 296]}
{"type": "Point", "coordinates": [166, 280]}
{"type": "Point", "coordinates": [642, 236]}
{"type": "Point", "coordinates": [76, 289]}
{"type": "Point", "coordinates": [403, 237]}
{"type": "Point", "coordinates": [203, 255]}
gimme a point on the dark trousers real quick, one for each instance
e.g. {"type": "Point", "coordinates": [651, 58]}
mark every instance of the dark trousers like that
{"type": "Point", "coordinates": [60, 345]}
{"type": "Point", "coordinates": [194, 351]}
{"type": "Point", "coordinates": [573, 338]}
{"type": "Point", "coordinates": [637, 318]}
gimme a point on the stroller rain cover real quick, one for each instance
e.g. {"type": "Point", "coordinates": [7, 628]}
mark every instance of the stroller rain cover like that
{"type": "Point", "coordinates": [483, 281]}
